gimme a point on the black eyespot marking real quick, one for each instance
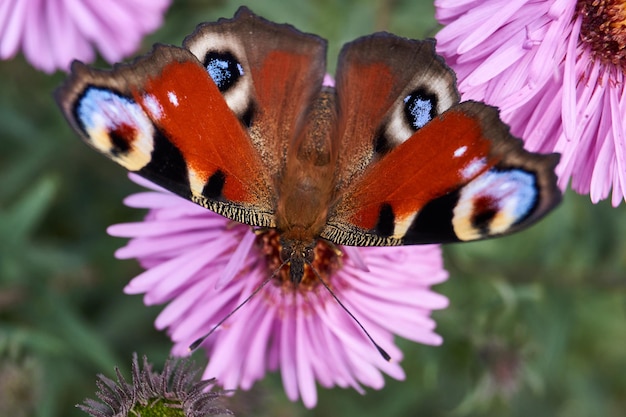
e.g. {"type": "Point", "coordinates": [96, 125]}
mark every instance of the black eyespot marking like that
{"type": "Point", "coordinates": [121, 138]}
{"type": "Point", "coordinates": [248, 116]}
{"type": "Point", "coordinates": [122, 117]}
{"type": "Point", "coordinates": [420, 107]}
{"type": "Point", "coordinates": [485, 209]}
{"type": "Point", "coordinates": [382, 145]}
{"type": "Point", "coordinates": [386, 220]}
{"type": "Point", "coordinates": [223, 68]}
{"type": "Point", "coordinates": [215, 185]}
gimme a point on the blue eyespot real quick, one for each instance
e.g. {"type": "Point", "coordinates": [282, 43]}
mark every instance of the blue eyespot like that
{"type": "Point", "coordinates": [223, 68]}
{"type": "Point", "coordinates": [494, 202]}
{"type": "Point", "coordinates": [116, 125]}
{"type": "Point", "coordinates": [420, 107]}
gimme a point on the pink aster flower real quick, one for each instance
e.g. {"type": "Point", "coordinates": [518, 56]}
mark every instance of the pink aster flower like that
{"type": "Point", "coordinates": [556, 70]}
{"type": "Point", "coordinates": [204, 265]}
{"type": "Point", "coordinates": [52, 33]}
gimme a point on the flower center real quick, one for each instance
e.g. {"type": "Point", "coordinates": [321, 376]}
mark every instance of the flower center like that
{"type": "Point", "coordinates": [604, 29]}
{"type": "Point", "coordinates": [327, 261]}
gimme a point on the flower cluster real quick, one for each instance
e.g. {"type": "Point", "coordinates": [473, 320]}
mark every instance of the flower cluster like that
{"type": "Point", "coordinates": [52, 33]}
{"type": "Point", "coordinates": [172, 392]}
{"type": "Point", "coordinates": [204, 265]}
{"type": "Point", "coordinates": [555, 68]}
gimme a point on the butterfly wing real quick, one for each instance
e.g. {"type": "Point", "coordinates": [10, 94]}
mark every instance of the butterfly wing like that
{"type": "Point", "coordinates": [373, 74]}
{"type": "Point", "coordinates": [286, 69]}
{"type": "Point", "coordinates": [205, 121]}
{"type": "Point", "coordinates": [435, 170]}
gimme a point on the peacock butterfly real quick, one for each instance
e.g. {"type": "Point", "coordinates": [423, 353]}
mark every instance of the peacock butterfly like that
{"type": "Point", "coordinates": [240, 121]}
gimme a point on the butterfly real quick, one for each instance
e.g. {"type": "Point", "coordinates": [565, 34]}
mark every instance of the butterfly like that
{"type": "Point", "coordinates": [240, 121]}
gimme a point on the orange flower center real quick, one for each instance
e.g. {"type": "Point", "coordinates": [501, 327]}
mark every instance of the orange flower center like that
{"type": "Point", "coordinates": [604, 29]}
{"type": "Point", "coordinates": [327, 261]}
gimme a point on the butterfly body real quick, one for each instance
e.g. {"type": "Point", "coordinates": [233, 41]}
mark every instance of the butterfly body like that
{"type": "Point", "coordinates": [240, 122]}
{"type": "Point", "coordinates": [306, 187]}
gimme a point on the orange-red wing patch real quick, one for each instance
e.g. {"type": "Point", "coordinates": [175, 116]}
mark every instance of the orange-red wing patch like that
{"type": "Point", "coordinates": [445, 154]}
{"type": "Point", "coordinates": [187, 106]}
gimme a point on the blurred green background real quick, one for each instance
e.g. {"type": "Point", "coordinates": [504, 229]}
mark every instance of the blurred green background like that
{"type": "Point", "coordinates": [536, 325]}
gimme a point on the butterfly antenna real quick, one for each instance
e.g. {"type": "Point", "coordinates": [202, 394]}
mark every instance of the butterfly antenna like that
{"type": "Point", "coordinates": [199, 341]}
{"type": "Point", "coordinates": [382, 351]}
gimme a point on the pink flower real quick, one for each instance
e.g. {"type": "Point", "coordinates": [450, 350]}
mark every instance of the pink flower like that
{"type": "Point", "coordinates": [556, 70]}
{"type": "Point", "coordinates": [52, 33]}
{"type": "Point", "coordinates": [204, 265]}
